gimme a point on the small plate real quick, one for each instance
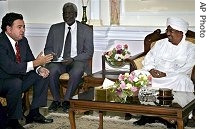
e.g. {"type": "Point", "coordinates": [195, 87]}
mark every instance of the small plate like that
{"type": "Point", "coordinates": [58, 61]}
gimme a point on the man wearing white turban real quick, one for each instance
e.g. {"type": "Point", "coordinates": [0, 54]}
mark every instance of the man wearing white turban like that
{"type": "Point", "coordinates": [170, 61]}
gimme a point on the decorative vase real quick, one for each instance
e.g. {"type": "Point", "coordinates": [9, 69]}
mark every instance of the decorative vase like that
{"type": "Point", "coordinates": [84, 16]}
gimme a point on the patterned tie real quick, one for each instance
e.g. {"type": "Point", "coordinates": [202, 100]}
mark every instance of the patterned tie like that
{"type": "Point", "coordinates": [67, 47]}
{"type": "Point", "coordinates": [18, 58]}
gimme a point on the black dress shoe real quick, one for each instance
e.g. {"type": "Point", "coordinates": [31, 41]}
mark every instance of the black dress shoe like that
{"type": "Point", "coordinates": [54, 106]}
{"type": "Point", "coordinates": [152, 119]}
{"type": "Point", "coordinates": [65, 106]}
{"type": "Point", "coordinates": [14, 125]}
{"type": "Point", "coordinates": [128, 116]}
{"type": "Point", "coordinates": [139, 122]}
{"type": "Point", "coordinates": [143, 120]}
{"type": "Point", "coordinates": [38, 119]}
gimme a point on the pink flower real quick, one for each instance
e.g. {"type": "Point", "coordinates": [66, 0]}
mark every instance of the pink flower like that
{"type": "Point", "coordinates": [150, 78]}
{"type": "Point", "coordinates": [131, 77]}
{"type": "Point", "coordinates": [133, 89]}
{"type": "Point", "coordinates": [127, 56]}
{"type": "Point", "coordinates": [126, 46]}
{"type": "Point", "coordinates": [120, 51]}
{"type": "Point", "coordinates": [121, 77]}
{"type": "Point", "coordinates": [118, 47]}
{"type": "Point", "coordinates": [122, 85]}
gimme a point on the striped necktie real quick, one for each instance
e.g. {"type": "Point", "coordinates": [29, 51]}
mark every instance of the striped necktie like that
{"type": "Point", "coordinates": [18, 57]}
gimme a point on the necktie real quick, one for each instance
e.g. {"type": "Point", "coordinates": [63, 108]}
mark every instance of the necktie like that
{"type": "Point", "coordinates": [18, 58]}
{"type": "Point", "coordinates": [67, 47]}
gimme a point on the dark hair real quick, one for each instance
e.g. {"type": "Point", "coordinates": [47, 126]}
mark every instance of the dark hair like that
{"type": "Point", "coordinates": [8, 20]}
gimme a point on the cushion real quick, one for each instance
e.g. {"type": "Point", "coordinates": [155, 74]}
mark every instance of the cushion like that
{"type": "Point", "coordinates": [3, 101]}
{"type": "Point", "coordinates": [138, 62]}
{"type": "Point", "coordinates": [65, 76]}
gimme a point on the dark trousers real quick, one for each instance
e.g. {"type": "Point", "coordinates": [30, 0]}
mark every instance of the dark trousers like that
{"type": "Point", "coordinates": [13, 87]}
{"type": "Point", "coordinates": [3, 117]}
{"type": "Point", "coordinates": [75, 70]}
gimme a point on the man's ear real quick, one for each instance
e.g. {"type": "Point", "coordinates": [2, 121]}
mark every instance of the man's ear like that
{"type": "Point", "coordinates": [75, 14]}
{"type": "Point", "coordinates": [8, 29]}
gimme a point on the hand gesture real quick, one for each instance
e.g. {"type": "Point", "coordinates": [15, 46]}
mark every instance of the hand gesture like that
{"type": "Point", "coordinates": [42, 59]}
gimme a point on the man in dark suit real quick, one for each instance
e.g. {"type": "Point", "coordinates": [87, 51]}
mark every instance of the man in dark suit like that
{"type": "Point", "coordinates": [81, 49]}
{"type": "Point", "coordinates": [19, 70]}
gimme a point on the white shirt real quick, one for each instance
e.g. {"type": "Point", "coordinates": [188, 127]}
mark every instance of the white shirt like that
{"type": "Point", "coordinates": [73, 39]}
{"type": "Point", "coordinates": [30, 63]}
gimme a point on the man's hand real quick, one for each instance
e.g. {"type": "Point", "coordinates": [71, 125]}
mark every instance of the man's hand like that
{"type": "Point", "coordinates": [42, 59]}
{"type": "Point", "coordinates": [157, 74]}
{"type": "Point", "coordinates": [43, 72]}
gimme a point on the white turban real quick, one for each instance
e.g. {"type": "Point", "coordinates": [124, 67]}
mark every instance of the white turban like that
{"type": "Point", "coordinates": [178, 24]}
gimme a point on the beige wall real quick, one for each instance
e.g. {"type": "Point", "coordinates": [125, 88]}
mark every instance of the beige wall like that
{"type": "Point", "coordinates": [159, 5]}
{"type": "Point", "coordinates": [155, 12]}
{"type": "Point", "coordinates": [133, 12]}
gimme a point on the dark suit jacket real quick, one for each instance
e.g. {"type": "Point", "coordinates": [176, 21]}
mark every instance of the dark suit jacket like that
{"type": "Point", "coordinates": [85, 48]}
{"type": "Point", "coordinates": [8, 65]}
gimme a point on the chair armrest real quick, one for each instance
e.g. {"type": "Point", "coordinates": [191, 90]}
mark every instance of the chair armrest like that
{"type": "Point", "coordinates": [131, 60]}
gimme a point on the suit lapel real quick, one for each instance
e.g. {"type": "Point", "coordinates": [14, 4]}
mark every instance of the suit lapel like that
{"type": "Point", "coordinates": [11, 50]}
{"type": "Point", "coordinates": [61, 38]}
{"type": "Point", "coordinates": [79, 37]}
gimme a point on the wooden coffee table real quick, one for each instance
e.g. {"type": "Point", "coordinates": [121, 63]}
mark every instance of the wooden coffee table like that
{"type": "Point", "coordinates": [174, 112]}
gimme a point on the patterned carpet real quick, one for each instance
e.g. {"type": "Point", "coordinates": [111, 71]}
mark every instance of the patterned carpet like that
{"type": "Point", "coordinates": [61, 121]}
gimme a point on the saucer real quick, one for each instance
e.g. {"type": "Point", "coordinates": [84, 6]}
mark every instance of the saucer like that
{"type": "Point", "coordinates": [58, 61]}
{"type": "Point", "coordinates": [165, 102]}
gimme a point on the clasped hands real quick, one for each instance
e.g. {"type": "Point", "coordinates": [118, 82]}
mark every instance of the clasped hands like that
{"type": "Point", "coordinates": [156, 73]}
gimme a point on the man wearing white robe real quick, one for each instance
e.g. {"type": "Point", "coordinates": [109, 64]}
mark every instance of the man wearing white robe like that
{"type": "Point", "coordinates": [171, 60]}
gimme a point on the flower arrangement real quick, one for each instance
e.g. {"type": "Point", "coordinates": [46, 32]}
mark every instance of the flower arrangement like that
{"type": "Point", "coordinates": [117, 55]}
{"type": "Point", "coordinates": [129, 84]}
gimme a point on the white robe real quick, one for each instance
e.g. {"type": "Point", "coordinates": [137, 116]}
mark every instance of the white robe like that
{"type": "Point", "coordinates": [176, 61]}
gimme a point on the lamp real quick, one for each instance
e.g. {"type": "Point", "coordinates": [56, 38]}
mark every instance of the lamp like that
{"type": "Point", "coordinates": [84, 6]}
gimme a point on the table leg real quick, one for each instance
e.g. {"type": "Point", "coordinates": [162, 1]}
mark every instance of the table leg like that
{"type": "Point", "coordinates": [180, 124]}
{"type": "Point", "coordinates": [100, 120]}
{"type": "Point", "coordinates": [72, 119]}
